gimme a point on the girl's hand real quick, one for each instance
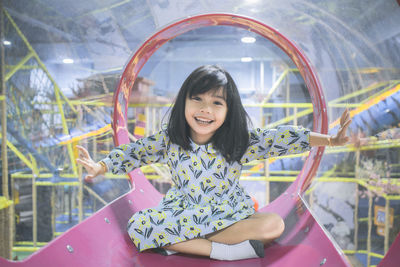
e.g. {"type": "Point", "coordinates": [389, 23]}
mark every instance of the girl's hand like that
{"type": "Point", "coordinates": [93, 168]}
{"type": "Point", "coordinates": [341, 138]}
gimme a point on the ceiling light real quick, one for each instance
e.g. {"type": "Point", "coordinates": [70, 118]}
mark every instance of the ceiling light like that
{"type": "Point", "coordinates": [248, 40]}
{"type": "Point", "coordinates": [68, 61]}
{"type": "Point", "coordinates": [5, 42]}
{"type": "Point", "coordinates": [246, 59]}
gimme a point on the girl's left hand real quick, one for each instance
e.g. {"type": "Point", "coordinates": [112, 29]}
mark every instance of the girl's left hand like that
{"type": "Point", "coordinates": [341, 138]}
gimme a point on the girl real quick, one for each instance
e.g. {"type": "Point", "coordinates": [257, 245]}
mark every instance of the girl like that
{"type": "Point", "coordinates": [206, 211]}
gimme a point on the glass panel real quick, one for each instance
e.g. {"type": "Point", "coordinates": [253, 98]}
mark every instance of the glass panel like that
{"type": "Point", "coordinates": [63, 61]}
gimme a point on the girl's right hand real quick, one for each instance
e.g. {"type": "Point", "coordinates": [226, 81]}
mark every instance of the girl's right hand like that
{"type": "Point", "coordinates": [93, 168]}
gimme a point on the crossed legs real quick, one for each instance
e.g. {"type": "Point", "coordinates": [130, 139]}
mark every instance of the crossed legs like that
{"type": "Point", "coordinates": [259, 226]}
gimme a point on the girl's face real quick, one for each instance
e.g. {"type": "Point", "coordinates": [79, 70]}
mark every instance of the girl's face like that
{"type": "Point", "coordinates": [205, 113]}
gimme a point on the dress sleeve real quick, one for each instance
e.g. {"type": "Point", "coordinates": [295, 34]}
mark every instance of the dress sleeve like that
{"type": "Point", "coordinates": [285, 140]}
{"type": "Point", "coordinates": [125, 158]}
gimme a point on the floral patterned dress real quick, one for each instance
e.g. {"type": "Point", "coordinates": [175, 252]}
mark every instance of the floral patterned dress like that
{"type": "Point", "coordinates": [206, 195]}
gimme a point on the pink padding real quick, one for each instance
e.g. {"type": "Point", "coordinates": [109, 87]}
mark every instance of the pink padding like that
{"type": "Point", "coordinates": [392, 257]}
{"type": "Point", "coordinates": [102, 240]}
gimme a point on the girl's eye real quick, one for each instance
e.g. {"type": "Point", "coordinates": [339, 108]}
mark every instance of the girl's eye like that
{"type": "Point", "coordinates": [196, 98]}
{"type": "Point", "coordinates": [218, 103]}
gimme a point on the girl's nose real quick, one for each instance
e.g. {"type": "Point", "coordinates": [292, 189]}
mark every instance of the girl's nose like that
{"type": "Point", "coordinates": [205, 109]}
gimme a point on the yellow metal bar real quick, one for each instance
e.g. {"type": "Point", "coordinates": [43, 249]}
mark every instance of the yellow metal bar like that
{"type": "Point", "coordinates": [57, 90]}
{"type": "Point", "coordinates": [275, 85]}
{"type": "Point", "coordinates": [386, 231]}
{"type": "Point", "coordinates": [53, 211]}
{"type": "Point", "coordinates": [270, 179]}
{"type": "Point", "coordinates": [359, 92]}
{"type": "Point", "coordinates": [18, 66]}
{"type": "Point", "coordinates": [370, 103]}
{"type": "Point", "coordinates": [290, 118]}
{"type": "Point", "coordinates": [93, 193]}
{"type": "Point", "coordinates": [58, 233]}
{"type": "Point", "coordinates": [18, 111]}
{"type": "Point", "coordinates": [284, 172]}
{"type": "Point", "coordinates": [74, 213]}
{"type": "Point", "coordinates": [392, 197]}
{"type": "Point", "coordinates": [357, 200]}
{"type": "Point", "coordinates": [344, 105]}
{"type": "Point", "coordinates": [19, 175]}
{"type": "Point", "coordinates": [375, 145]}
{"type": "Point", "coordinates": [57, 184]}
{"type": "Point", "coordinates": [28, 45]}
{"type": "Point", "coordinates": [103, 9]}
{"type": "Point", "coordinates": [25, 67]}
{"type": "Point", "coordinates": [102, 130]}
{"type": "Point", "coordinates": [252, 172]}
{"type": "Point", "coordinates": [25, 249]}
{"type": "Point", "coordinates": [376, 255]}
{"type": "Point", "coordinates": [292, 178]}
{"type": "Point", "coordinates": [62, 94]}
{"type": "Point", "coordinates": [5, 203]}
{"type": "Point", "coordinates": [267, 173]}
{"type": "Point", "coordinates": [19, 154]}
{"type": "Point", "coordinates": [35, 168]}
{"type": "Point", "coordinates": [369, 229]}
{"type": "Point", "coordinates": [279, 105]}
{"type": "Point", "coordinates": [370, 98]}
{"type": "Point", "coordinates": [336, 179]}
{"type": "Point", "coordinates": [29, 243]}
{"type": "Point", "coordinates": [2, 97]}
{"type": "Point", "coordinates": [34, 200]}
{"type": "Point", "coordinates": [65, 130]}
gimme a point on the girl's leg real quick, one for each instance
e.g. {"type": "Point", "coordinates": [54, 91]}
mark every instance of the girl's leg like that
{"type": "Point", "coordinates": [263, 226]}
{"type": "Point", "coordinates": [259, 226]}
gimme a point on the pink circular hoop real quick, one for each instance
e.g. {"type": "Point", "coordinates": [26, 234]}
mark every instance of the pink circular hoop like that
{"type": "Point", "coordinates": [135, 64]}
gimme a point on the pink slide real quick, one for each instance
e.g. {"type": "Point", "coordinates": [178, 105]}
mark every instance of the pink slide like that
{"type": "Point", "coordinates": [102, 240]}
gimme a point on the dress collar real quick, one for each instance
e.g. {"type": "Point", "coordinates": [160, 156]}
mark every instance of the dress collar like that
{"type": "Point", "coordinates": [209, 148]}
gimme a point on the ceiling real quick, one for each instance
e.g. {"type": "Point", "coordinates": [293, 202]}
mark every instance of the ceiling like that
{"type": "Point", "coordinates": [101, 35]}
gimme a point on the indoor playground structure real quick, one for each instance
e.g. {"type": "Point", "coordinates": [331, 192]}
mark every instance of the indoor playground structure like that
{"type": "Point", "coordinates": [101, 73]}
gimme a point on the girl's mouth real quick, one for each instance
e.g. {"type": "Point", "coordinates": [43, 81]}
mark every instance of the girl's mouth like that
{"type": "Point", "coordinates": [203, 121]}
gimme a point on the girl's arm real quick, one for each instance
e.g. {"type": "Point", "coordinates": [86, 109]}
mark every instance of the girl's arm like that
{"type": "Point", "coordinates": [125, 158]}
{"type": "Point", "coordinates": [317, 139]}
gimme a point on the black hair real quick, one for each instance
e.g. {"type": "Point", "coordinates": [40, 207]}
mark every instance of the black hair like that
{"type": "Point", "coordinates": [232, 138]}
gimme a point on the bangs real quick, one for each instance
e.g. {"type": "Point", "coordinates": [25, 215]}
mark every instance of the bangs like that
{"type": "Point", "coordinates": [210, 81]}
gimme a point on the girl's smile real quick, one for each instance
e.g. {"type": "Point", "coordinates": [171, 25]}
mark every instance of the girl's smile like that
{"type": "Point", "coordinates": [205, 113]}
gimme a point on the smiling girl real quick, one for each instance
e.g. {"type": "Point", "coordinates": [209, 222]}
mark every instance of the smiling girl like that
{"type": "Point", "coordinates": [206, 211]}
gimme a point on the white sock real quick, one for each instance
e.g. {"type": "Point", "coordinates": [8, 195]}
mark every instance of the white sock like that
{"type": "Point", "coordinates": [169, 252]}
{"type": "Point", "coordinates": [245, 250]}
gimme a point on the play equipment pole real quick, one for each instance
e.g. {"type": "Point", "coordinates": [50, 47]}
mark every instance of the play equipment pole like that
{"type": "Point", "coordinates": [7, 220]}
{"type": "Point", "coordinates": [356, 204]}
{"type": "Point", "coordinates": [267, 182]}
{"type": "Point", "coordinates": [369, 228]}
{"type": "Point", "coordinates": [387, 223]}
{"type": "Point", "coordinates": [3, 108]}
